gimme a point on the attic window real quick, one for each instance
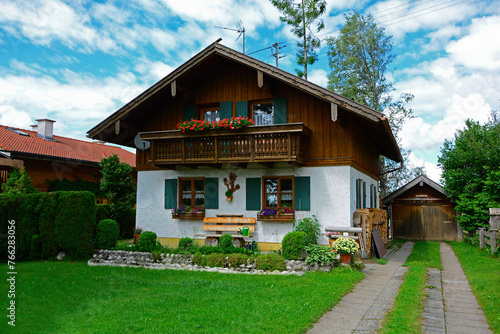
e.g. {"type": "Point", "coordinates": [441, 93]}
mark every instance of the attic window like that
{"type": "Point", "coordinates": [19, 132]}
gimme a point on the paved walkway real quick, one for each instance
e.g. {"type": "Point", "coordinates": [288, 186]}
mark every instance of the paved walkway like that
{"type": "Point", "coordinates": [462, 312]}
{"type": "Point", "coordinates": [450, 307]}
{"type": "Point", "coordinates": [362, 310]}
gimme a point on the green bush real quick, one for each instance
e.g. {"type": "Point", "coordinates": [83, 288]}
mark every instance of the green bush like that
{"type": "Point", "coordinates": [270, 262]}
{"type": "Point", "coordinates": [185, 244]}
{"type": "Point", "coordinates": [47, 223]}
{"type": "Point", "coordinates": [74, 221]}
{"type": "Point", "coordinates": [197, 257]}
{"type": "Point", "coordinates": [103, 211]}
{"type": "Point", "coordinates": [125, 217]}
{"type": "Point", "coordinates": [226, 243]}
{"type": "Point", "coordinates": [147, 242]}
{"type": "Point", "coordinates": [293, 245]}
{"type": "Point", "coordinates": [47, 211]}
{"type": "Point", "coordinates": [235, 260]}
{"type": "Point", "coordinates": [215, 260]}
{"type": "Point", "coordinates": [311, 227]}
{"type": "Point", "coordinates": [320, 254]}
{"type": "Point", "coordinates": [107, 234]}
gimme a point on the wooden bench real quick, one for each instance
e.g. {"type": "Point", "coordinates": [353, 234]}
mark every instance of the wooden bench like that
{"type": "Point", "coordinates": [217, 226]}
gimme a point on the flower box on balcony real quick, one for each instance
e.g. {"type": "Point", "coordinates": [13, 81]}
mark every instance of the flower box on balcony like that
{"type": "Point", "coordinates": [187, 212]}
{"type": "Point", "coordinates": [280, 215]}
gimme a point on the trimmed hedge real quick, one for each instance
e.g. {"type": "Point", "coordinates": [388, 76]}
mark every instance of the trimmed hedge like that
{"type": "Point", "coordinates": [293, 245]}
{"type": "Point", "coordinates": [125, 219]}
{"type": "Point", "coordinates": [107, 234]}
{"type": "Point", "coordinates": [46, 223]}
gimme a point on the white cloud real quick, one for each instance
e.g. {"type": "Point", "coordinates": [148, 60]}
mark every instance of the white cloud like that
{"type": "Point", "coordinates": [432, 170]}
{"type": "Point", "coordinates": [418, 134]}
{"type": "Point", "coordinates": [479, 49]}
{"type": "Point", "coordinates": [319, 77]}
{"type": "Point", "coordinates": [10, 116]}
{"type": "Point", "coordinates": [46, 21]}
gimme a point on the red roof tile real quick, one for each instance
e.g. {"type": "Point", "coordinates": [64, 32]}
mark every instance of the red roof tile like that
{"type": "Point", "coordinates": [60, 147]}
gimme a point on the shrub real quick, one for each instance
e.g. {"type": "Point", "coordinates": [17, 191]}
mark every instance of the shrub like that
{"type": "Point", "coordinates": [74, 221]}
{"type": "Point", "coordinates": [147, 242]}
{"type": "Point", "coordinates": [215, 260]}
{"type": "Point", "coordinates": [235, 260]}
{"type": "Point", "coordinates": [47, 211]}
{"type": "Point", "coordinates": [271, 262]}
{"type": "Point", "coordinates": [226, 243]}
{"type": "Point", "coordinates": [107, 234]}
{"type": "Point", "coordinates": [311, 227]}
{"type": "Point", "coordinates": [103, 211]}
{"type": "Point", "coordinates": [197, 257]}
{"type": "Point", "coordinates": [293, 245]}
{"type": "Point", "coordinates": [185, 244]}
{"type": "Point", "coordinates": [320, 254]}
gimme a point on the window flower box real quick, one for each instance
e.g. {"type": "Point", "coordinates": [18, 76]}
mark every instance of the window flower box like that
{"type": "Point", "coordinates": [188, 212]}
{"type": "Point", "coordinates": [279, 215]}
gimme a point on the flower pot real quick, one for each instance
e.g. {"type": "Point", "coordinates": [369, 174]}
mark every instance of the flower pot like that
{"type": "Point", "coordinates": [229, 198]}
{"type": "Point", "coordinates": [331, 241]}
{"type": "Point", "coordinates": [345, 258]}
{"type": "Point", "coordinates": [136, 238]}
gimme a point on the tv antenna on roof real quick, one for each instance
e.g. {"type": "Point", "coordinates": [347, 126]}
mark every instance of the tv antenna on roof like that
{"type": "Point", "coordinates": [240, 29]}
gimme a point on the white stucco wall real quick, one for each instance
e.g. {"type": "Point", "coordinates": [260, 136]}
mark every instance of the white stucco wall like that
{"type": "Point", "coordinates": [332, 199]}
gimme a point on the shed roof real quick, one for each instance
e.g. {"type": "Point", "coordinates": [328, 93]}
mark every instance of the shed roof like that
{"type": "Point", "coordinates": [193, 70]}
{"type": "Point", "coordinates": [422, 178]}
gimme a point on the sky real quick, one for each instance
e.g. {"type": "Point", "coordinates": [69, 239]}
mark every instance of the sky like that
{"type": "Point", "coordinates": [77, 62]}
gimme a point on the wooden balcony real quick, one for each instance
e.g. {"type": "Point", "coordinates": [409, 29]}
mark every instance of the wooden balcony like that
{"type": "Point", "coordinates": [261, 144]}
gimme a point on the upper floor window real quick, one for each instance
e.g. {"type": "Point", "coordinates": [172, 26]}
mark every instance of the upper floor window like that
{"type": "Point", "coordinates": [192, 192]}
{"type": "Point", "coordinates": [210, 113]}
{"type": "Point", "coordinates": [263, 112]}
{"type": "Point", "coordinates": [278, 192]}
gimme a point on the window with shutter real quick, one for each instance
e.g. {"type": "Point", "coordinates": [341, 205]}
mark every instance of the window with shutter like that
{"type": "Point", "coordinates": [302, 193]}
{"type": "Point", "coordinates": [189, 112]}
{"type": "Point", "coordinates": [170, 193]}
{"type": "Point", "coordinates": [253, 192]}
{"type": "Point", "coordinates": [211, 193]}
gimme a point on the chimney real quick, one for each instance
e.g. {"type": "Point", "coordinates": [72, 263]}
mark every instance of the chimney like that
{"type": "Point", "coordinates": [45, 128]}
{"type": "Point", "coordinates": [34, 127]}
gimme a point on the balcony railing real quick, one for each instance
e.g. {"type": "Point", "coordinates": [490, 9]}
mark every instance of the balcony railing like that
{"type": "Point", "coordinates": [272, 143]}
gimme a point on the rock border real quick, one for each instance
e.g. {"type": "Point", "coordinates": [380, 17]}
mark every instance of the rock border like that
{"type": "Point", "coordinates": [120, 258]}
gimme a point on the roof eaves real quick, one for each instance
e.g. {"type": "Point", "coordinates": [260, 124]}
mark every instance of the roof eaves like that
{"type": "Point", "coordinates": [411, 184]}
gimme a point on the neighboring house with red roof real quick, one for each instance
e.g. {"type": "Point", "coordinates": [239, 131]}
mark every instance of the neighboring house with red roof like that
{"type": "Point", "coordinates": [49, 157]}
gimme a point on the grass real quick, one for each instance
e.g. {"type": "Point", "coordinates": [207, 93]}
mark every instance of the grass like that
{"type": "Point", "coordinates": [71, 297]}
{"type": "Point", "coordinates": [483, 273]}
{"type": "Point", "coordinates": [406, 314]}
{"type": "Point", "coordinates": [382, 260]}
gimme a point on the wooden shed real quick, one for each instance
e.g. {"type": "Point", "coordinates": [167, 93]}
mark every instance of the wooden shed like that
{"type": "Point", "coordinates": [420, 210]}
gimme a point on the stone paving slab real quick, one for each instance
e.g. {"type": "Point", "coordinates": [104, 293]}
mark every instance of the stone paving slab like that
{"type": "Point", "coordinates": [462, 312]}
{"type": "Point", "coordinates": [383, 282]}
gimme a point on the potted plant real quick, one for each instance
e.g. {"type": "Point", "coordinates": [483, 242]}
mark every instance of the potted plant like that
{"type": "Point", "coordinates": [229, 195]}
{"type": "Point", "coordinates": [346, 247]}
{"type": "Point", "coordinates": [231, 187]}
{"type": "Point", "coordinates": [137, 234]}
{"type": "Point", "coordinates": [188, 212]}
{"type": "Point", "coordinates": [282, 214]}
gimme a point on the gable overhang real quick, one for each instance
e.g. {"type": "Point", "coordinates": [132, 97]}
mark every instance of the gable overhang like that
{"type": "Point", "coordinates": [422, 178]}
{"type": "Point", "coordinates": [120, 127]}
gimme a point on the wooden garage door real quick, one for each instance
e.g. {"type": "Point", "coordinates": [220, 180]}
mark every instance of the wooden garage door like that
{"type": "Point", "coordinates": [428, 222]}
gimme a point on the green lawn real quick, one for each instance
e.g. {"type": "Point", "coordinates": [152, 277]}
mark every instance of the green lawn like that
{"type": "Point", "coordinates": [71, 297]}
{"type": "Point", "coordinates": [483, 272]}
{"type": "Point", "coordinates": [406, 314]}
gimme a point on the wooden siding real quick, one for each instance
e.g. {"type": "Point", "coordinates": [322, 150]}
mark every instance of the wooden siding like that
{"type": "Point", "coordinates": [331, 143]}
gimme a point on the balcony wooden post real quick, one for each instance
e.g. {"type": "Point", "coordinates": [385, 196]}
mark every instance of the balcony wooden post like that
{"type": "Point", "coordinates": [289, 146]}
{"type": "Point", "coordinates": [184, 150]}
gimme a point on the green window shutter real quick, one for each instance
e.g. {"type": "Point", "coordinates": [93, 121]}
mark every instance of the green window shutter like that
{"type": "Point", "coordinates": [242, 108]}
{"type": "Point", "coordinates": [211, 193]}
{"type": "Point", "coordinates": [371, 196]}
{"type": "Point", "coordinates": [170, 193]}
{"type": "Point", "coordinates": [253, 193]}
{"type": "Point", "coordinates": [279, 110]}
{"type": "Point", "coordinates": [189, 112]}
{"type": "Point", "coordinates": [364, 195]}
{"type": "Point", "coordinates": [302, 193]}
{"type": "Point", "coordinates": [358, 201]}
{"type": "Point", "coordinates": [226, 110]}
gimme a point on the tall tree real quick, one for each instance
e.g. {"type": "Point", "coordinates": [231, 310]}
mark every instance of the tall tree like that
{"type": "Point", "coordinates": [471, 172]}
{"type": "Point", "coordinates": [359, 59]}
{"type": "Point", "coordinates": [301, 17]}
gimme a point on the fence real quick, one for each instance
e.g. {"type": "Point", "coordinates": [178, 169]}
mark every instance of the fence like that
{"type": "Point", "coordinates": [488, 238]}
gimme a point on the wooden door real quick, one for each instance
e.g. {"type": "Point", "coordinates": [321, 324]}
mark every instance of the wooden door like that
{"type": "Point", "coordinates": [407, 221]}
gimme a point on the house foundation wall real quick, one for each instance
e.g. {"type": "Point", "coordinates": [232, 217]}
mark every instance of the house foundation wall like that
{"type": "Point", "coordinates": [332, 200]}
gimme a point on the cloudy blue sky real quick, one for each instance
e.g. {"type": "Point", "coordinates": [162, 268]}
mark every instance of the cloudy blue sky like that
{"type": "Point", "coordinates": [78, 61]}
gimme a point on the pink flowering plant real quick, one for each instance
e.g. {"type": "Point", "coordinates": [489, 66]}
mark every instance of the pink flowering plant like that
{"type": "Point", "coordinates": [234, 123]}
{"type": "Point", "coordinates": [186, 209]}
{"type": "Point", "coordinates": [331, 234]}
